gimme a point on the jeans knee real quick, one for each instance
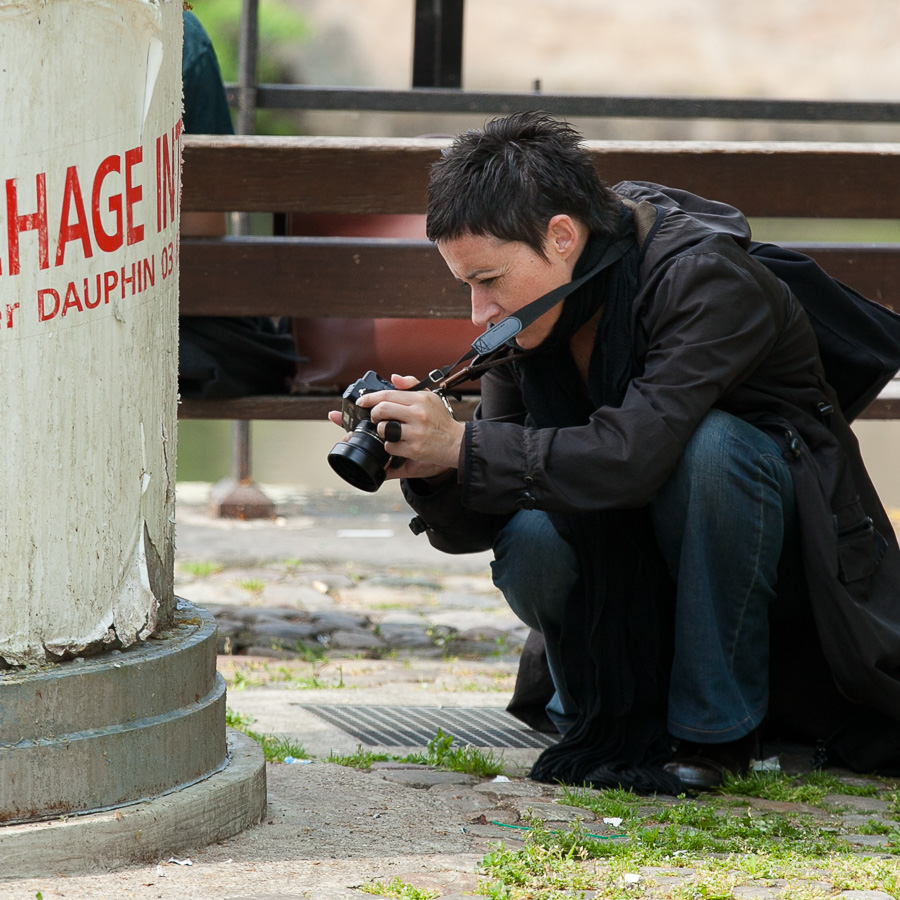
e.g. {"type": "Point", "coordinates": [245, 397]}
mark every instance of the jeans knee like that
{"type": "Point", "coordinates": [534, 568]}
{"type": "Point", "coordinates": [731, 489]}
{"type": "Point", "coordinates": [724, 459]}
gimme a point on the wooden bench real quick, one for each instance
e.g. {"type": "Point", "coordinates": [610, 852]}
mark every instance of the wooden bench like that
{"type": "Point", "coordinates": [375, 277]}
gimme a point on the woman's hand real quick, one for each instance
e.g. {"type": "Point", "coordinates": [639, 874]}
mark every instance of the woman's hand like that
{"type": "Point", "coordinates": [430, 438]}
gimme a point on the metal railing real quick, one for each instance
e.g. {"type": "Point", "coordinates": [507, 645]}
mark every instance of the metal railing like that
{"type": "Point", "coordinates": [445, 100]}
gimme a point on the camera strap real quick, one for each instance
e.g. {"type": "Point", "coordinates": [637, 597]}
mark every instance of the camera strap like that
{"type": "Point", "coordinates": [503, 334]}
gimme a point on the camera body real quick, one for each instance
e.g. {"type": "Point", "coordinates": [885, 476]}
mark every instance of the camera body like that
{"type": "Point", "coordinates": [351, 414]}
{"type": "Point", "coordinates": [361, 459]}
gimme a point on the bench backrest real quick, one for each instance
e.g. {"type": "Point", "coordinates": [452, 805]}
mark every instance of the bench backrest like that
{"type": "Point", "coordinates": [406, 278]}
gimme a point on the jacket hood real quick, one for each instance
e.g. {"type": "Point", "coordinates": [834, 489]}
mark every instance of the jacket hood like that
{"type": "Point", "coordinates": [689, 219]}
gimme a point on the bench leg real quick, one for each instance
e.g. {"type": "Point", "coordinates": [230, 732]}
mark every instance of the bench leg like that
{"type": "Point", "coordinates": [239, 497]}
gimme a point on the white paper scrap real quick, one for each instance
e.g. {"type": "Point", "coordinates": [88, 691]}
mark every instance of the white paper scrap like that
{"type": "Point", "coordinates": [772, 764]}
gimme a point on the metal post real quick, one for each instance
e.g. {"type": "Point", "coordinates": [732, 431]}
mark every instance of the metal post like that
{"type": "Point", "coordinates": [437, 48]}
{"type": "Point", "coordinates": [247, 55]}
{"type": "Point", "coordinates": [238, 497]}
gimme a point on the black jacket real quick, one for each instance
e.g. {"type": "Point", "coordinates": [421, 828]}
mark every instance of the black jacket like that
{"type": "Point", "coordinates": [713, 328]}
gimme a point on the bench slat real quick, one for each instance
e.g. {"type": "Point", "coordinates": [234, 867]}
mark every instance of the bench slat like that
{"type": "Point", "coordinates": [309, 277]}
{"type": "Point", "coordinates": [319, 405]}
{"type": "Point", "coordinates": [377, 278]}
{"type": "Point", "coordinates": [350, 175]}
{"type": "Point", "coordinates": [308, 406]}
{"type": "Point", "coordinates": [882, 408]}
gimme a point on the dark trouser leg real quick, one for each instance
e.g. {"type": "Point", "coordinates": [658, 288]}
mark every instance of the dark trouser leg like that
{"type": "Point", "coordinates": [720, 522]}
{"type": "Point", "coordinates": [536, 571]}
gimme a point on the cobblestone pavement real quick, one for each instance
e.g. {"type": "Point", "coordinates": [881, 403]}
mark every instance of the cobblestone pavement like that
{"type": "Point", "coordinates": [338, 576]}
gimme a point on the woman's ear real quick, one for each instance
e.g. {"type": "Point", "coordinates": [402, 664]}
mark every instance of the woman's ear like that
{"type": "Point", "coordinates": [563, 237]}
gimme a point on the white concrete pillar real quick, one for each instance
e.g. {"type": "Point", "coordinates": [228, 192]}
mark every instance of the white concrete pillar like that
{"type": "Point", "coordinates": [90, 92]}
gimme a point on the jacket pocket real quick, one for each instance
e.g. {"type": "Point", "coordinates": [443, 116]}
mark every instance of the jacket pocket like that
{"type": "Point", "coordinates": [860, 547]}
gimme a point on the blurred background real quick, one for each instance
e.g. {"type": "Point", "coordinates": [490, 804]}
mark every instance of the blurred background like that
{"type": "Point", "coordinates": [805, 49]}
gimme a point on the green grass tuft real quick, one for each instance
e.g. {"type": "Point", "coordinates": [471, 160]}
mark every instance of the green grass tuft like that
{"type": "Point", "coordinates": [275, 747]}
{"type": "Point", "coordinates": [361, 759]}
{"type": "Point", "coordinates": [402, 890]}
{"type": "Point", "coordinates": [200, 568]}
{"type": "Point", "coordinates": [469, 760]}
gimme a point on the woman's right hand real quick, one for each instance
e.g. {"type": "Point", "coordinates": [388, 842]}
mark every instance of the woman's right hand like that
{"type": "Point", "coordinates": [430, 438]}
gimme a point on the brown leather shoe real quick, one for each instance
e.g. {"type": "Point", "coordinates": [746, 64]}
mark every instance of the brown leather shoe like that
{"type": "Point", "coordinates": [703, 767]}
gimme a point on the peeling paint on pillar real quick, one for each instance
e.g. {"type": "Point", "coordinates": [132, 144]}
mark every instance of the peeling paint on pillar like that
{"type": "Point", "coordinates": [89, 189]}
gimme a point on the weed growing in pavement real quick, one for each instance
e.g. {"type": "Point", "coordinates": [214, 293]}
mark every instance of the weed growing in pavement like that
{"type": "Point", "coordinates": [402, 890]}
{"type": "Point", "coordinates": [297, 675]}
{"type": "Point", "coordinates": [439, 753]}
{"type": "Point", "coordinates": [275, 748]}
{"type": "Point", "coordinates": [313, 681]}
{"type": "Point", "coordinates": [252, 585]}
{"type": "Point", "coordinates": [852, 873]}
{"type": "Point", "coordinates": [311, 653]}
{"type": "Point", "coordinates": [473, 687]}
{"type": "Point", "coordinates": [240, 681]}
{"type": "Point", "coordinates": [711, 845]}
{"type": "Point", "coordinates": [810, 788]}
{"type": "Point", "coordinates": [438, 634]}
{"type": "Point", "coordinates": [361, 759]}
{"type": "Point", "coordinates": [237, 720]}
{"type": "Point", "coordinates": [548, 864]}
{"type": "Point", "coordinates": [200, 568]}
{"type": "Point", "coordinates": [469, 760]}
{"type": "Point", "coordinates": [894, 800]}
{"type": "Point", "coordinates": [873, 826]}
{"type": "Point", "coordinates": [310, 682]}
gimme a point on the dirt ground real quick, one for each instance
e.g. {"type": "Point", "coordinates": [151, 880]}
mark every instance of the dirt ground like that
{"type": "Point", "coordinates": [310, 844]}
{"type": "Point", "coordinates": [328, 830]}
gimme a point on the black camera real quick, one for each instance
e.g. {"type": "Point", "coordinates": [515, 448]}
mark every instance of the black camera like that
{"type": "Point", "coordinates": [361, 459]}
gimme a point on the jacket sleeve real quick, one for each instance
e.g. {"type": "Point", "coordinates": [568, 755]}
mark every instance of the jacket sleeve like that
{"type": "Point", "coordinates": [448, 524]}
{"type": "Point", "coordinates": [708, 321]}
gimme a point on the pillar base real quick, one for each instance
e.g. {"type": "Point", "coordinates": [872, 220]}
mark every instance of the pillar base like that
{"type": "Point", "coordinates": [96, 733]}
{"type": "Point", "coordinates": [219, 807]}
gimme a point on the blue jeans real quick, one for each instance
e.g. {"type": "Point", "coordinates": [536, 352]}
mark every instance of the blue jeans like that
{"type": "Point", "coordinates": [721, 521]}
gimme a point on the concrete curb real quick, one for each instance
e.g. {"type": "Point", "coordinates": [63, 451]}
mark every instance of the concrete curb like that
{"type": "Point", "coordinates": [219, 807]}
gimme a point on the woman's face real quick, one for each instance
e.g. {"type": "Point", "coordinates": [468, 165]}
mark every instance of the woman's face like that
{"type": "Point", "coordinates": [504, 276]}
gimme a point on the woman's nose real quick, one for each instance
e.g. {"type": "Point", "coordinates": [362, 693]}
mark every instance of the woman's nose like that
{"type": "Point", "coordinates": [484, 311]}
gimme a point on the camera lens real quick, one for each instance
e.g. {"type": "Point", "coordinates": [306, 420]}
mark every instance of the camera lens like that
{"type": "Point", "coordinates": [360, 460]}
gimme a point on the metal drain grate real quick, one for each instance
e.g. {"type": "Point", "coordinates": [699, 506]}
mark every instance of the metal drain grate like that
{"type": "Point", "coordinates": [415, 726]}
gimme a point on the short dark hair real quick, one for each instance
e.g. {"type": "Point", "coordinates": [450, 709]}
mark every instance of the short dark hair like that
{"type": "Point", "coordinates": [509, 179]}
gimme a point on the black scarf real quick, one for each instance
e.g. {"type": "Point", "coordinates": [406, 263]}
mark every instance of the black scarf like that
{"type": "Point", "coordinates": [615, 634]}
